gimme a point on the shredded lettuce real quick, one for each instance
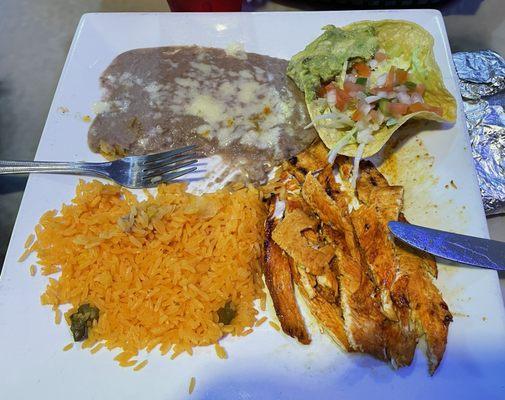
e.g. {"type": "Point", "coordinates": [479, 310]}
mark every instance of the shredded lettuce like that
{"type": "Point", "coordinates": [355, 167]}
{"type": "Point", "coordinates": [332, 155]}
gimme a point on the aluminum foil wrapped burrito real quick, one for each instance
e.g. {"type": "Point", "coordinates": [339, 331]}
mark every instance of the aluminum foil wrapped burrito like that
{"type": "Point", "coordinates": [482, 84]}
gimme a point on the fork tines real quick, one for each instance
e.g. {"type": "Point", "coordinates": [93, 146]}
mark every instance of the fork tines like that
{"type": "Point", "coordinates": [169, 165]}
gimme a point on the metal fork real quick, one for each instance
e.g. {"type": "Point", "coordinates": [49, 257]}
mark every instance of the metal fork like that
{"type": "Point", "coordinates": [135, 172]}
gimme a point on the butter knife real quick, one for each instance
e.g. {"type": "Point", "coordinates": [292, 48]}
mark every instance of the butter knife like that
{"type": "Point", "coordinates": [464, 249]}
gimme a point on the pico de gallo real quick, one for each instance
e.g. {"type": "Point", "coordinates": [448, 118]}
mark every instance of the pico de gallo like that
{"type": "Point", "coordinates": [362, 98]}
{"type": "Point", "coordinates": [360, 86]}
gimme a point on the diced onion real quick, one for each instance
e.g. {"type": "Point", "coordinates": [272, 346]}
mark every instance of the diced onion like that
{"type": "Point", "coordinates": [386, 95]}
{"type": "Point", "coordinates": [364, 136]}
{"type": "Point", "coordinates": [404, 98]}
{"type": "Point", "coordinates": [373, 63]}
{"type": "Point", "coordinates": [381, 79]}
{"type": "Point", "coordinates": [350, 78]}
{"type": "Point", "coordinates": [372, 99]}
{"type": "Point", "coordinates": [364, 108]}
{"type": "Point", "coordinates": [361, 95]}
{"type": "Point", "coordinates": [331, 97]}
{"type": "Point", "coordinates": [360, 125]}
{"type": "Point", "coordinates": [380, 117]}
{"type": "Point", "coordinates": [280, 207]}
{"type": "Point", "coordinates": [355, 168]}
{"type": "Point", "coordinates": [374, 127]}
{"type": "Point", "coordinates": [416, 98]}
{"type": "Point", "coordinates": [401, 88]}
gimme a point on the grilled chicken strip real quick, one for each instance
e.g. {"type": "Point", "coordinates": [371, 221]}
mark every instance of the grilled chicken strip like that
{"type": "Point", "coordinates": [288, 235]}
{"type": "Point", "coordinates": [363, 321]}
{"type": "Point", "coordinates": [314, 158]}
{"type": "Point", "coordinates": [398, 341]}
{"type": "Point", "coordinates": [371, 178]}
{"type": "Point", "coordinates": [370, 222]}
{"type": "Point", "coordinates": [418, 302]}
{"type": "Point", "coordinates": [319, 291]}
{"type": "Point", "coordinates": [279, 281]}
{"type": "Point", "coordinates": [326, 311]}
{"type": "Point", "coordinates": [327, 180]}
{"type": "Point", "coordinates": [415, 290]}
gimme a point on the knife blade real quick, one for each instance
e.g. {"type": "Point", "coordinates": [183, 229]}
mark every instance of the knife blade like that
{"type": "Point", "coordinates": [464, 249]}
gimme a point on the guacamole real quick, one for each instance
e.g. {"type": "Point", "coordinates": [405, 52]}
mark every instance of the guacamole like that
{"type": "Point", "coordinates": [324, 58]}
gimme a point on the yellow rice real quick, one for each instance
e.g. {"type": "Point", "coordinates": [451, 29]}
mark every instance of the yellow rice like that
{"type": "Point", "coordinates": [247, 332]}
{"type": "Point", "coordinates": [25, 254]}
{"type": "Point", "coordinates": [165, 348]}
{"type": "Point", "coordinates": [125, 356]}
{"type": "Point", "coordinates": [263, 304]}
{"type": "Point", "coordinates": [274, 325]}
{"type": "Point", "coordinates": [176, 353]}
{"type": "Point", "coordinates": [97, 348]}
{"type": "Point", "coordinates": [29, 240]}
{"type": "Point", "coordinates": [68, 347]}
{"type": "Point", "coordinates": [220, 351]}
{"type": "Point", "coordinates": [57, 316]}
{"type": "Point", "coordinates": [261, 321]}
{"type": "Point", "coordinates": [192, 383]}
{"type": "Point", "coordinates": [88, 343]}
{"type": "Point", "coordinates": [158, 270]}
{"type": "Point", "coordinates": [33, 270]}
{"type": "Point", "coordinates": [127, 364]}
{"type": "Point", "coordinates": [140, 365]}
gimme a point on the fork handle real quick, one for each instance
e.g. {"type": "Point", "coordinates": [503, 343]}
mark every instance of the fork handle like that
{"type": "Point", "coordinates": [76, 168]}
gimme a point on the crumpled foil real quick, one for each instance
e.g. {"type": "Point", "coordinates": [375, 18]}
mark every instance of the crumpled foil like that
{"type": "Point", "coordinates": [482, 85]}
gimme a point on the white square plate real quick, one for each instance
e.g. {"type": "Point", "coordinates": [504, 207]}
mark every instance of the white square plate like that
{"type": "Point", "coordinates": [265, 364]}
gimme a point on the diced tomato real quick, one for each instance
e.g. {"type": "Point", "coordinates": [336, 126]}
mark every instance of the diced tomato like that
{"type": "Point", "coordinates": [398, 109]}
{"type": "Point", "coordinates": [329, 87]}
{"type": "Point", "coordinates": [363, 70]}
{"type": "Point", "coordinates": [425, 107]}
{"type": "Point", "coordinates": [350, 87]}
{"type": "Point", "coordinates": [342, 99]}
{"type": "Point", "coordinates": [321, 92]}
{"type": "Point", "coordinates": [390, 80]}
{"type": "Point", "coordinates": [357, 115]}
{"type": "Point", "coordinates": [380, 56]}
{"type": "Point", "coordinates": [420, 88]}
{"type": "Point", "coordinates": [401, 76]}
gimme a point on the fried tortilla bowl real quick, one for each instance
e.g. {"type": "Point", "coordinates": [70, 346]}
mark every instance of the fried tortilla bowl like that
{"type": "Point", "coordinates": [414, 45]}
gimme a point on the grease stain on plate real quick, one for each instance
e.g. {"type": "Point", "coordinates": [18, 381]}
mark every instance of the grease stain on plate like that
{"type": "Point", "coordinates": [406, 161]}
